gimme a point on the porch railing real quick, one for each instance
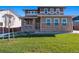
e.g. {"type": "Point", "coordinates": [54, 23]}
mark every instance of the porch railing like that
{"type": "Point", "coordinates": [28, 27]}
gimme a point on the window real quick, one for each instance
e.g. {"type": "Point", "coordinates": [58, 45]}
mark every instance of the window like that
{"type": "Point", "coordinates": [64, 21]}
{"type": "Point", "coordinates": [58, 9]}
{"type": "Point", "coordinates": [48, 21]}
{"type": "Point", "coordinates": [46, 10]}
{"type": "Point", "coordinates": [1, 24]}
{"type": "Point", "coordinates": [32, 12]}
{"type": "Point", "coordinates": [29, 21]}
{"type": "Point", "coordinates": [56, 21]}
{"type": "Point", "coordinates": [52, 10]}
{"type": "Point", "coordinates": [35, 12]}
{"type": "Point", "coordinates": [61, 9]}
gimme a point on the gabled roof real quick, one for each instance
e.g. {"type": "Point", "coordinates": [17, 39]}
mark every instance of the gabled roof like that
{"type": "Point", "coordinates": [11, 11]}
{"type": "Point", "coordinates": [30, 9]}
{"type": "Point", "coordinates": [76, 18]}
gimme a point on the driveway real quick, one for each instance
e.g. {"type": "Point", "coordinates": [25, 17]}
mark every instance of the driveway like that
{"type": "Point", "coordinates": [75, 31]}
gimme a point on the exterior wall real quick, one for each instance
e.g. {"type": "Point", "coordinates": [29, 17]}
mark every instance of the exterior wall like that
{"type": "Point", "coordinates": [59, 28]}
{"type": "Point", "coordinates": [6, 29]}
{"type": "Point", "coordinates": [17, 21]}
{"type": "Point", "coordinates": [52, 10]}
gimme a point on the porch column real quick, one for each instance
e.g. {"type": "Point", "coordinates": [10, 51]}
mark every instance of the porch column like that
{"type": "Point", "coordinates": [40, 24]}
{"type": "Point", "coordinates": [33, 24]}
{"type": "Point", "coordinates": [22, 27]}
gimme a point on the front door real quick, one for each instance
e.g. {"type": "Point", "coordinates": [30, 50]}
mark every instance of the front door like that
{"type": "Point", "coordinates": [37, 24]}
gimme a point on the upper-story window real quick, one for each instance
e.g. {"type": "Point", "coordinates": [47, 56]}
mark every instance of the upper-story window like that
{"type": "Point", "coordinates": [52, 11]}
{"type": "Point", "coordinates": [57, 9]}
{"type": "Point", "coordinates": [31, 13]}
{"type": "Point", "coordinates": [56, 21]}
{"type": "Point", "coordinates": [64, 21]}
{"type": "Point", "coordinates": [35, 12]}
{"type": "Point", "coordinates": [61, 9]}
{"type": "Point", "coordinates": [46, 10]}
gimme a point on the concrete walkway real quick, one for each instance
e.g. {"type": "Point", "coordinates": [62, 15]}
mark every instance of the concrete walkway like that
{"type": "Point", "coordinates": [75, 31]}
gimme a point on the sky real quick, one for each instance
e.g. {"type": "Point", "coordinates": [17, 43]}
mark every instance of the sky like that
{"type": "Point", "coordinates": [69, 10]}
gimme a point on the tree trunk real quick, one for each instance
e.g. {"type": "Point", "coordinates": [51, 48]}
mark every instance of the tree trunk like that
{"type": "Point", "coordinates": [3, 32]}
{"type": "Point", "coordinates": [9, 32]}
{"type": "Point", "coordinates": [13, 33]}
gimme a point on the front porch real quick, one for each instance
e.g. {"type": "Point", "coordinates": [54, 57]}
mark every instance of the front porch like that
{"type": "Point", "coordinates": [31, 24]}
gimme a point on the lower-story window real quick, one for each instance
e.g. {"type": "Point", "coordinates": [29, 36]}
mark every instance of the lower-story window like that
{"type": "Point", "coordinates": [48, 21]}
{"type": "Point", "coordinates": [56, 21]}
{"type": "Point", "coordinates": [64, 21]}
{"type": "Point", "coordinates": [1, 24]}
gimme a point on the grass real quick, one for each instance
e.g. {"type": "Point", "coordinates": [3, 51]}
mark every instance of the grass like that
{"type": "Point", "coordinates": [62, 43]}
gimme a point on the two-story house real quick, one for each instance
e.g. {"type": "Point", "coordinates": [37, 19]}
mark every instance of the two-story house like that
{"type": "Point", "coordinates": [47, 19]}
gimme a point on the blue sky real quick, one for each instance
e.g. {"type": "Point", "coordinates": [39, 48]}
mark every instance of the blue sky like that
{"type": "Point", "coordinates": [69, 10]}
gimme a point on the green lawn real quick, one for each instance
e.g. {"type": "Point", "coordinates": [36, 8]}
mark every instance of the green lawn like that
{"type": "Point", "coordinates": [60, 43]}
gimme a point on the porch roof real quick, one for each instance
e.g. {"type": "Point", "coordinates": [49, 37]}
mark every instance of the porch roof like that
{"type": "Point", "coordinates": [55, 15]}
{"type": "Point", "coordinates": [28, 17]}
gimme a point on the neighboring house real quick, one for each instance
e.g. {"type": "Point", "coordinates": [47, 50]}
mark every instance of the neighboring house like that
{"type": "Point", "coordinates": [76, 23]}
{"type": "Point", "coordinates": [47, 20]}
{"type": "Point", "coordinates": [8, 17]}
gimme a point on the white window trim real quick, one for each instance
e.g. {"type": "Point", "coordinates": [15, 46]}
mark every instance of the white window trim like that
{"type": "Point", "coordinates": [45, 9]}
{"type": "Point", "coordinates": [62, 20]}
{"type": "Point", "coordinates": [50, 20]}
{"type": "Point", "coordinates": [56, 18]}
